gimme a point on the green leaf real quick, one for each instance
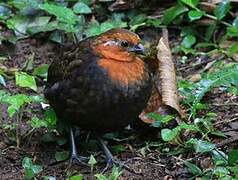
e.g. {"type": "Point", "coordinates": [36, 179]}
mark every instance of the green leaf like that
{"type": "Point", "coordinates": [37, 123]}
{"type": "Point", "coordinates": [63, 14]}
{"type": "Point", "coordinates": [118, 148]}
{"type": "Point", "coordinates": [219, 157]}
{"type": "Point", "coordinates": [226, 76]}
{"type": "Point", "coordinates": [138, 19]}
{"type": "Point", "coordinates": [19, 24]}
{"type": "Point", "coordinates": [173, 12]}
{"type": "Point", "coordinates": [93, 28]}
{"type": "Point", "coordinates": [4, 12]}
{"type": "Point", "coordinates": [50, 117]}
{"type": "Point", "coordinates": [57, 36]}
{"type": "Point", "coordinates": [36, 169]}
{"type": "Point", "coordinates": [233, 90]}
{"type": "Point", "coordinates": [88, 2]}
{"type": "Point", "coordinates": [221, 172]}
{"type": "Point", "coordinates": [191, 3]}
{"type": "Point", "coordinates": [168, 134]}
{"type": "Point", "coordinates": [204, 146]}
{"type": "Point", "coordinates": [154, 22]}
{"type": "Point", "coordinates": [2, 80]}
{"type": "Point", "coordinates": [25, 80]}
{"type": "Point", "coordinates": [232, 31]}
{"type": "Point", "coordinates": [193, 168]}
{"type": "Point", "coordinates": [24, 5]}
{"type": "Point", "coordinates": [101, 177]}
{"type": "Point", "coordinates": [67, 27]}
{"type": "Point", "coordinates": [40, 24]}
{"type": "Point", "coordinates": [195, 14]}
{"type": "Point", "coordinates": [30, 170]}
{"type": "Point", "coordinates": [235, 22]}
{"type": "Point", "coordinates": [15, 102]}
{"type": "Point", "coordinates": [37, 98]}
{"type": "Point", "coordinates": [44, 28]}
{"type": "Point", "coordinates": [188, 41]}
{"type": "Point", "coordinates": [234, 170]}
{"type": "Point", "coordinates": [116, 172]}
{"type": "Point", "coordinates": [114, 175]}
{"type": "Point", "coordinates": [26, 162]}
{"type": "Point", "coordinates": [82, 8]}
{"type": "Point", "coordinates": [222, 9]}
{"type": "Point", "coordinates": [41, 70]}
{"type": "Point", "coordinates": [232, 50]}
{"type": "Point", "coordinates": [28, 174]}
{"type": "Point", "coordinates": [191, 127]}
{"type": "Point", "coordinates": [105, 26]}
{"type": "Point", "coordinates": [61, 156]}
{"type": "Point", "coordinates": [159, 119]}
{"type": "Point", "coordinates": [76, 177]}
{"type": "Point", "coordinates": [210, 32]}
{"type": "Point", "coordinates": [233, 157]}
{"type": "Point", "coordinates": [92, 161]}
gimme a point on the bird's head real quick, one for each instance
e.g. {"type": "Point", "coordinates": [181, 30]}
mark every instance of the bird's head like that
{"type": "Point", "coordinates": [118, 44]}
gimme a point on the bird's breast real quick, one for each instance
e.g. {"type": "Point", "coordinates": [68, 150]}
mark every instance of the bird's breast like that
{"type": "Point", "coordinates": [125, 73]}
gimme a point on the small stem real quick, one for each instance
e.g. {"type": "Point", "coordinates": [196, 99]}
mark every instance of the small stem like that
{"type": "Point", "coordinates": [17, 132]}
{"type": "Point", "coordinates": [214, 18]}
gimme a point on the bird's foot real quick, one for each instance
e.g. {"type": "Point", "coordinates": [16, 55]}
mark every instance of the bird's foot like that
{"type": "Point", "coordinates": [78, 160]}
{"type": "Point", "coordinates": [122, 164]}
{"type": "Point", "coordinates": [74, 159]}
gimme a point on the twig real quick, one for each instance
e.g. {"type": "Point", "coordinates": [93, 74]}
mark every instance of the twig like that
{"type": "Point", "coordinates": [202, 63]}
{"type": "Point", "coordinates": [228, 104]}
{"type": "Point", "coordinates": [227, 141]}
{"type": "Point", "coordinates": [214, 18]}
{"type": "Point", "coordinates": [156, 164]}
{"type": "Point", "coordinates": [226, 121]}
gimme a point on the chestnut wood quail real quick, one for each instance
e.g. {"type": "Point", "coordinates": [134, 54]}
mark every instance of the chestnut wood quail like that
{"type": "Point", "coordinates": [99, 84]}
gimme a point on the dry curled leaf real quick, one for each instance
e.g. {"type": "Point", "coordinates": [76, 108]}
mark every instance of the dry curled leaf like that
{"type": "Point", "coordinates": [154, 105]}
{"type": "Point", "coordinates": [164, 94]}
{"type": "Point", "coordinates": [167, 75]}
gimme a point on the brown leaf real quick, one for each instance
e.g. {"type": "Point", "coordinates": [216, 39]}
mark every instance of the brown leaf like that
{"type": "Point", "coordinates": [164, 93]}
{"type": "Point", "coordinates": [167, 75]}
{"type": "Point", "coordinates": [195, 77]}
{"type": "Point", "coordinates": [154, 105]}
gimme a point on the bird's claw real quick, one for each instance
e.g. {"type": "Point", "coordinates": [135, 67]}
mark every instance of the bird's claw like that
{"type": "Point", "coordinates": [79, 160]}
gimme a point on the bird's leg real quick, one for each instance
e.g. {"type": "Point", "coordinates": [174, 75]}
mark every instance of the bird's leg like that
{"type": "Point", "coordinates": [111, 161]}
{"type": "Point", "coordinates": [109, 156]}
{"type": "Point", "coordinates": [74, 153]}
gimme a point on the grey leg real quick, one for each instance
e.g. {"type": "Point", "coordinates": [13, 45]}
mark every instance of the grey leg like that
{"type": "Point", "coordinates": [74, 153]}
{"type": "Point", "coordinates": [111, 161]}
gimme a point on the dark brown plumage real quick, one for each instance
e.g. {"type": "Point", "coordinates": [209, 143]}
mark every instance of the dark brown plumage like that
{"type": "Point", "coordinates": [100, 84]}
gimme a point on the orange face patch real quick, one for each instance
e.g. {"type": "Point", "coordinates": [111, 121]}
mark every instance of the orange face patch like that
{"type": "Point", "coordinates": [122, 66]}
{"type": "Point", "coordinates": [124, 72]}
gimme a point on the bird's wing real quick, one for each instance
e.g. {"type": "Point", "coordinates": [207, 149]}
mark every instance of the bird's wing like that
{"type": "Point", "coordinates": [70, 58]}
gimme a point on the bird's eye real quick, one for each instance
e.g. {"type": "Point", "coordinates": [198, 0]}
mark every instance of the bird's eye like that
{"type": "Point", "coordinates": [124, 44]}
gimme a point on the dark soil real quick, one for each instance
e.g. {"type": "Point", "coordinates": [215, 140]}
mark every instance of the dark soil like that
{"type": "Point", "coordinates": [154, 165]}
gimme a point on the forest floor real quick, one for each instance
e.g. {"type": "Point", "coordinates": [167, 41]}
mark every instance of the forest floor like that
{"type": "Point", "coordinates": [139, 148]}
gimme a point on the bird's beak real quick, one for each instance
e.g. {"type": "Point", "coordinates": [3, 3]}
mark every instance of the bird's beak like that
{"type": "Point", "coordinates": [139, 48]}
